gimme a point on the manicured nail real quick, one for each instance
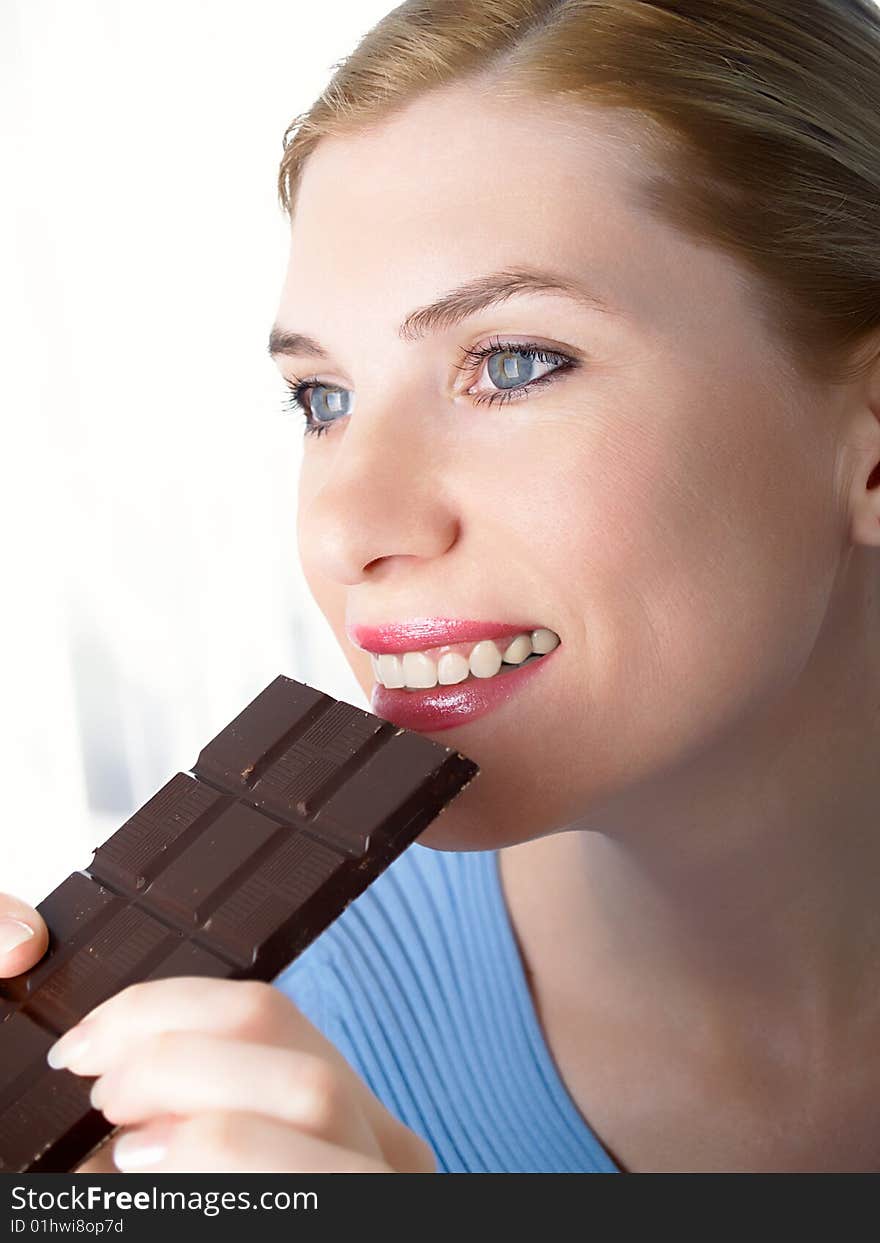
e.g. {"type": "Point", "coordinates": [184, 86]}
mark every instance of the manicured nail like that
{"type": "Point", "coordinates": [13, 932]}
{"type": "Point", "coordinates": [67, 1051]}
{"type": "Point", "coordinates": [133, 1151]}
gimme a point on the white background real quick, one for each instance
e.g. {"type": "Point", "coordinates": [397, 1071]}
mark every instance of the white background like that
{"type": "Point", "coordinates": [150, 579]}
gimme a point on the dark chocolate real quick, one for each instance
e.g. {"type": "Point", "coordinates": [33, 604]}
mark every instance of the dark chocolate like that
{"type": "Point", "coordinates": [228, 871]}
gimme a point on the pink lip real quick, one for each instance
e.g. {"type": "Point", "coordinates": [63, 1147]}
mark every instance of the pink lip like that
{"type": "Point", "coordinates": [444, 707]}
{"type": "Point", "coordinates": [426, 632]}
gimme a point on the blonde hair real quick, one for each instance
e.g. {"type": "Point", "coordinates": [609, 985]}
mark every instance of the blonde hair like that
{"type": "Point", "coordinates": [764, 117]}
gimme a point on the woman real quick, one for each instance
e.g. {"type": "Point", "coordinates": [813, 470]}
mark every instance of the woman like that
{"type": "Point", "coordinates": [583, 314]}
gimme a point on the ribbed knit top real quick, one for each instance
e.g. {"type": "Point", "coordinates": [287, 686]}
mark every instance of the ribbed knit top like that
{"type": "Point", "coordinates": [421, 987]}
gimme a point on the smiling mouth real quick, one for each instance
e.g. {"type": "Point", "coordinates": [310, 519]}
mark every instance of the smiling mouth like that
{"type": "Point", "coordinates": [472, 677]}
{"type": "Point", "coordinates": [452, 665]}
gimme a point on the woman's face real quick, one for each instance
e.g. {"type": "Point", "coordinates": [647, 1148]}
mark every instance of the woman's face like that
{"type": "Point", "coordinates": [667, 503]}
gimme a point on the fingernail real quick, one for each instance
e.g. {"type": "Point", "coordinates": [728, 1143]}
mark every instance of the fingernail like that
{"type": "Point", "coordinates": [13, 932]}
{"type": "Point", "coordinates": [70, 1048]}
{"type": "Point", "coordinates": [97, 1094]}
{"type": "Point", "coordinates": [133, 1151]}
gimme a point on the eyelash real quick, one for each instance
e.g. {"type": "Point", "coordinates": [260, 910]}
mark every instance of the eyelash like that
{"type": "Point", "coordinates": [473, 358]}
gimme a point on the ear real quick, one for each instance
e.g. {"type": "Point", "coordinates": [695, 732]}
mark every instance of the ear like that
{"type": "Point", "coordinates": [864, 448]}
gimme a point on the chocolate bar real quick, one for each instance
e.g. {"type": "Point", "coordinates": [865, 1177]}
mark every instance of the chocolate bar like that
{"type": "Point", "coordinates": [229, 870]}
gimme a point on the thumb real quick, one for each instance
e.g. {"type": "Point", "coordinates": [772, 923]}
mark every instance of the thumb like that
{"type": "Point", "coordinates": [24, 936]}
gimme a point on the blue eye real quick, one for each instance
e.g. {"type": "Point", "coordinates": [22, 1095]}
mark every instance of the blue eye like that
{"type": "Point", "coordinates": [510, 368]}
{"type": "Point", "coordinates": [508, 371]}
{"type": "Point", "coordinates": [330, 401]}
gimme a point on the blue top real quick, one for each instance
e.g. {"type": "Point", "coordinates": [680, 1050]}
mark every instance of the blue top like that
{"type": "Point", "coordinates": [420, 985]}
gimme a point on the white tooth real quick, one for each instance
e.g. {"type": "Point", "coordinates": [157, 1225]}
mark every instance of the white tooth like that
{"type": "Point", "coordinates": [485, 659]}
{"type": "Point", "coordinates": [544, 641]}
{"type": "Point", "coordinates": [391, 671]}
{"type": "Point", "coordinates": [374, 661]}
{"type": "Point", "coordinates": [451, 668]}
{"type": "Point", "coordinates": [520, 648]}
{"type": "Point", "coordinates": [419, 670]}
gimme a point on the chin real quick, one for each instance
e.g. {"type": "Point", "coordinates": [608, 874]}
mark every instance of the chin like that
{"type": "Point", "coordinates": [465, 825]}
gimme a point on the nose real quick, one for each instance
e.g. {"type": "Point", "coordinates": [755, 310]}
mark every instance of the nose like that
{"type": "Point", "coordinates": [381, 492]}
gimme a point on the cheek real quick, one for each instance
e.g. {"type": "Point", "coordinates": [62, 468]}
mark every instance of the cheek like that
{"type": "Point", "coordinates": [704, 556]}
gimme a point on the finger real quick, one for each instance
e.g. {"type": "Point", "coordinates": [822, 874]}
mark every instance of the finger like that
{"type": "Point", "coordinates": [24, 936]}
{"type": "Point", "coordinates": [101, 1161]}
{"type": "Point", "coordinates": [248, 1008]}
{"type": "Point", "coordinates": [237, 1143]}
{"type": "Point", "coordinates": [193, 1072]}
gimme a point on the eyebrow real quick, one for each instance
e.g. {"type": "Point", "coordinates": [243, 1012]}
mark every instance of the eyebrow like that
{"type": "Point", "coordinates": [457, 305]}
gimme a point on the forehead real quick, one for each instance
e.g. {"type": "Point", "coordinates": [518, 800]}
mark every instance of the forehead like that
{"type": "Point", "coordinates": [454, 175]}
{"type": "Point", "coordinates": [458, 184]}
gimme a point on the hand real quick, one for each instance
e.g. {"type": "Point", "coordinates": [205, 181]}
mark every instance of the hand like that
{"type": "Point", "coordinates": [229, 1076]}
